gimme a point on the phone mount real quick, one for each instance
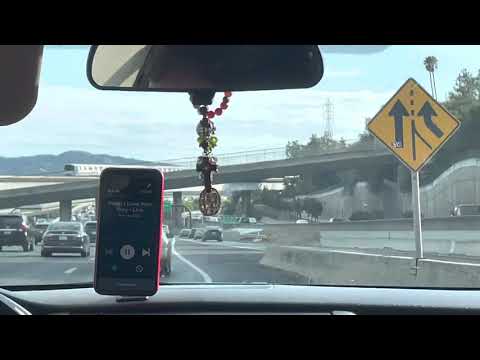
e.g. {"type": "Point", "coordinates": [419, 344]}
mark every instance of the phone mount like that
{"type": "Point", "coordinates": [201, 97]}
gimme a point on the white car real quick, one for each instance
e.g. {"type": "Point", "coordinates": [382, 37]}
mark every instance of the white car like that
{"type": "Point", "coordinates": [248, 220]}
{"type": "Point", "coordinates": [337, 219]}
{"type": "Point", "coordinates": [166, 261]}
{"type": "Point", "coordinates": [301, 221]}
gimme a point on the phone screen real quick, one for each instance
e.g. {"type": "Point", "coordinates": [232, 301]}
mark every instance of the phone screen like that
{"type": "Point", "coordinates": [129, 235]}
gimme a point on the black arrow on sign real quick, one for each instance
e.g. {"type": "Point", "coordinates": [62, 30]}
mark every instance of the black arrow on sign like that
{"type": "Point", "coordinates": [398, 112]}
{"type": "Point", "coordinates": [427, 113]}
{"type": "Point", "coordinates": [415, 133]}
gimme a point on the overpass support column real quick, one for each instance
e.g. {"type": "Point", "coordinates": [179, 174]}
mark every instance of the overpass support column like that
{"type": "Point", "coordinates": [307, 177]}
{"type": "Point", "coordinates": [347, 202]}
{"type": "Point", "coordinates": [177, 210]}
{"type": "Point", "coordinates": [392, 200]}
{"type": "Point", "coordinates": [65, 210]}
{"type": "Point", "coordinates": [247, 202]}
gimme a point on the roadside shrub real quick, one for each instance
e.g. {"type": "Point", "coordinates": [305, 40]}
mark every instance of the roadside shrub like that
{"type": "Point", "coordinates": [377, 214]}
{"type": "Point", "coordinates": [360, 215]}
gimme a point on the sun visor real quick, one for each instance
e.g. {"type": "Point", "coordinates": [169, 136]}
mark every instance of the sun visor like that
{"type": "Point", "coordinates": [20, 73]}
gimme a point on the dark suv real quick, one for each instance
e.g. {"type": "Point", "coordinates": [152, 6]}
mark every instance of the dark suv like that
{"type": "Point", "coordinates": [37, 231]}
{"type": "Point", "coordinates": [91, 230]}
{"type": "Point", "coordinates": [212, 234]}
{"type": "Point", "coordinates": [14, 231]}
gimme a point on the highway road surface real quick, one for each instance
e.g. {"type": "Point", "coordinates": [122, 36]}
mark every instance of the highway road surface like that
{"type": "Point", "coordinates": [193, 262]}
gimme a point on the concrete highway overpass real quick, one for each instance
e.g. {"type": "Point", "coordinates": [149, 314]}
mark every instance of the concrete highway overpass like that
{"type": "Point", "coordinates": [52, 189]}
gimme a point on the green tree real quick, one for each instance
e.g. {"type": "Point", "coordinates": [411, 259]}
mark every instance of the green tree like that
{"type": "Point", "coordinates": [191, 203]}
{"type": "Point", "coordinates": [228, 207]}
{"type": "Point", "coordinates": [298, 207]}
{"type": "Point", "coordinates": [465, 94]}
{"type": "Point", "coordinates": [315, 145]}
{"type": "Point", "coordinates": [291, 184]}
{"type": "Point", "coordinates": [294, 149]}
{"type": "Point", "coordinates": [317, 209]}
{"type": "Point", "coordinates": [466, 87]}
{"type": "Point", "coordinates": [313, 208]}
{"type": "Point", "coordinates": [431, 64]}
{"type": "Point", "coordinates": [464, 103]}
{"type": "Point", "coordinates": [366, 137]}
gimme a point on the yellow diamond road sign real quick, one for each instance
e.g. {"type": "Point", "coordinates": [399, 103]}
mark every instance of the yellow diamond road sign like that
{"type": "Point", "coordinates": [413, 125]}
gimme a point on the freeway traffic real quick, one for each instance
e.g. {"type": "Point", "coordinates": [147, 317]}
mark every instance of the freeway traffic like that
{"type": "Point", "coordinates": [192, 262]}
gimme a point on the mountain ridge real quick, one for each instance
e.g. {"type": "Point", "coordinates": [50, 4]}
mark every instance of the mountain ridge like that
{"type": "Point", "coordinates": [50, 164]}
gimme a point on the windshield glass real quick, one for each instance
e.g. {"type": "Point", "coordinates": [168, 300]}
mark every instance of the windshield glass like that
{"type": "Point", "coordinates": [65, 227]}
{"type": "Point", "coordinates": [90, 226]}
{"type": "Point", "coordinates": [312, 196]}
{"type": "Point", "coordinates": [10, 221]}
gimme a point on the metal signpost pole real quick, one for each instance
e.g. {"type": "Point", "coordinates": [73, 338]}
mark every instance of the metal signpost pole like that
{"type": "Point", "coordinates": [417, 215]}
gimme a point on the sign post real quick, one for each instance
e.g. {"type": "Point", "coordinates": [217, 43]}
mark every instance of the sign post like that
{"type": "Point", "coordinates": [413, 126]}
{"type": "Point", "coordinates": [417, 215]}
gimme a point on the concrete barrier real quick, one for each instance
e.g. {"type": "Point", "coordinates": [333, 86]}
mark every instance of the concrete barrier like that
{"type": "Point", "coordinates": [452, 236]}
{"type": "Point", "coordinates": [434, 242]}
{"type": "Point", "coordinates": [441, 223]}
{"type": "Point", "coordinates": [336, 267]}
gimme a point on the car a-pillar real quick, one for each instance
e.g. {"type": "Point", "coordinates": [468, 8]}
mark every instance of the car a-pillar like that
{"type": "Point", "coordinates": [96, 203]}
{"type": "Point", "coordinates": [65, 210]}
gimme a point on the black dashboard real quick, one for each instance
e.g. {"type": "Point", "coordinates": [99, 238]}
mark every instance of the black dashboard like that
{"type": "Point", "coordinates": [245, 299]}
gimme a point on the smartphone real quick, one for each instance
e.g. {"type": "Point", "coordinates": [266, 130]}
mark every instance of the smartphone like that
{"type": "Point", "coordinates": [129, 235]}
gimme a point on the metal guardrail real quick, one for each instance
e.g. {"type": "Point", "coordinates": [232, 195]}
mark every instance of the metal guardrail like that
{"type": "Point", "coordinates": [277, 153]}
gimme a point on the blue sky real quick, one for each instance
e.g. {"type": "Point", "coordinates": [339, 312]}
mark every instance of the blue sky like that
{"type": "Point", "coordinates": [72, 115]}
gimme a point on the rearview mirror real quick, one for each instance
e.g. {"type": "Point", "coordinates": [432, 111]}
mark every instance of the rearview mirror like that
{"type": "Point", "coordinates": [187, 68]}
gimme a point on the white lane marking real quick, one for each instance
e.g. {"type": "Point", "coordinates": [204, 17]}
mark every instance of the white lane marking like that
{"type": "Point", "coordinates": [71, 270]}
{"type": "Point", "coordinates": [259, 249]}
{"type": "Point", "coordinates": [227, 244]}
{"type": "Point", "coordinates": [344, 252]}
{"type": "Point", "coordinates": [204, 275]}
{"type": "Point", "coordinates": [449, 262]}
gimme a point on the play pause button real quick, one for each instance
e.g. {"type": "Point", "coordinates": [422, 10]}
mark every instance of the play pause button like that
{"type": "Point", "coordinates": [127, 252]}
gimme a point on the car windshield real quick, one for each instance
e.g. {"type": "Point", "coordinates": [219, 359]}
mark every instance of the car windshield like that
{"type": "Point", "coordinates": [65, 227]}
{"type": "Point", "coordinates": [318, 186]}
{"type": "Point", "coordinates": [90, 226]}
{"type": "Point", "coordinates": [10, 221]}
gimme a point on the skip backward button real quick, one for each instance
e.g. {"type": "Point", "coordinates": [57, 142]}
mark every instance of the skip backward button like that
{"type": "Point", "coordinates": [146, 252]}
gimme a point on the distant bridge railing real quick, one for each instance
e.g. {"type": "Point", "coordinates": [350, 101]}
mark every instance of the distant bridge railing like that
{"type": "Point", "coordinates": [278, 153]}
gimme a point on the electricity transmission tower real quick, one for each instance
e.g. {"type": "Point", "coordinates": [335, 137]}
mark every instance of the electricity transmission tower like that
{"type": "Point", "coordinates": [328, 116]}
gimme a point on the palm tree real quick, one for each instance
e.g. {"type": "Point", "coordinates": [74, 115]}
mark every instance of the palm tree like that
{"type": "Point", "coordinates": [431, 63]}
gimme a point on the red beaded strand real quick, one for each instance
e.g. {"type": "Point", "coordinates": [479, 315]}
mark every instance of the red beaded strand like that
{"type": "Point", "coordinates": [223, 106]}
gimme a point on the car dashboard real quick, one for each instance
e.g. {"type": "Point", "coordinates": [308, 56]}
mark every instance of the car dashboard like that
{"type": "Point", "coordinates": [244, 299]}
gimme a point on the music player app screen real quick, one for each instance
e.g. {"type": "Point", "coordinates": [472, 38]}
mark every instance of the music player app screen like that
{"type": "Point", "coordinates": [127, 228]}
